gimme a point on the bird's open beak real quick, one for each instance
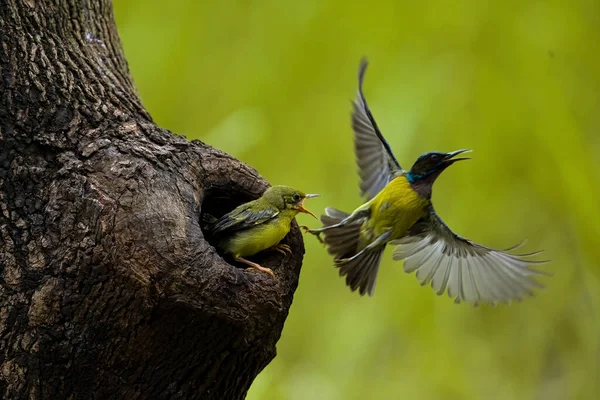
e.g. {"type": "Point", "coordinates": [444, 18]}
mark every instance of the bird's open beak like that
{"type": "Point", "coordinates": [450, 156]}
{"type": "Point", "coordinates": [301, 205]}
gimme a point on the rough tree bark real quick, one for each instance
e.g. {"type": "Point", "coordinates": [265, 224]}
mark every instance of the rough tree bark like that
{"type": "Point", "coordinates": [108, 287]}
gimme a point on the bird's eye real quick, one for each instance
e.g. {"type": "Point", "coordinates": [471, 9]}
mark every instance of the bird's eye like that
{"type": "Point", "coordinates": [296, 197]}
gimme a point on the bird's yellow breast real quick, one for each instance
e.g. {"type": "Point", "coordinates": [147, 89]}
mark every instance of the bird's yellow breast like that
{"type": "Point", "coordinates": [260, 237]}
{"type": "Point", "coordinates": [395, 208]}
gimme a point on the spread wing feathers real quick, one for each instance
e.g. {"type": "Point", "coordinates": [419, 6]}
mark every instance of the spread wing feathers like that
{"type": "Point", "coordinates": [243, 217]}
{"type": "Point", "coordinates": [341, 242]}
{"type": "Point", "coordinates": [376, 162]}
{"type": "Point", "coordinates": [467, 271]}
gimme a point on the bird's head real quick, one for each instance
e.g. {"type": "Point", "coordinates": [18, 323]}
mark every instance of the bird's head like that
{"type": "Point", "coordinates": [287, 198]}
{"type": "Point", "coordinates": [430, 165]}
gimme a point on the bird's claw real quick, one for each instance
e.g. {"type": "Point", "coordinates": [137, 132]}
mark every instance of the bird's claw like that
{"type": "Point", "coordinates": [254, 266]}
{"type": "Point", "coordinates": [282, 248]}
{"type": "Point", "coordinates": [262, 269]}
{"type": "Point", "coordinates": [306, 229]}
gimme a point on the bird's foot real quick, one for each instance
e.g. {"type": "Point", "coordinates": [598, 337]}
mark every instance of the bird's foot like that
{"type": "Point", "coordinates": [305, 228]}
{"type": "Point", "coordinates": [316, 232]}
{"type": "Point", "coordinates": [282, 249]}
{"type": "Point", "coordinates": [255, 266]}
{"type": "Point", "coordinates": [261, 269]}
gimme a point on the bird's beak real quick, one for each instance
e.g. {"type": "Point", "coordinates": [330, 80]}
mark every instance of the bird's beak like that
{"type": "Point", "coordinates": [450, 156]}
{"type": "Point", "coordinates": [301, 205]}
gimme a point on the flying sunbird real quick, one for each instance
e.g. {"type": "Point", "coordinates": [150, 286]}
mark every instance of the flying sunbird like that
{"type": "Point", "coordinates": [260, 224]}
{"type": "Point", "coordinates": [399, 212]}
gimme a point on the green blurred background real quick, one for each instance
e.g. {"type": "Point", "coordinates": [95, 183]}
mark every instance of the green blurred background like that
{"type": "Point", "coordinates": [270, 82]}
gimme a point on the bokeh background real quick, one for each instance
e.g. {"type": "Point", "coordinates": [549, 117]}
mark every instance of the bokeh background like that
{"type": "Point", "coordinates": [270, 82]}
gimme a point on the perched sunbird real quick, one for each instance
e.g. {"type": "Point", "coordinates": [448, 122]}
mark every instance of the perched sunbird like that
{"type": "Point", "coordinates": [398, 211]}
{"type": "Point", "coordinates": [260, 224]}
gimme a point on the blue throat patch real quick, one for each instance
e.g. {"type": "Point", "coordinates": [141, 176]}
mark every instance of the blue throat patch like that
{"type": "Point", "coordinates": [412, 177]}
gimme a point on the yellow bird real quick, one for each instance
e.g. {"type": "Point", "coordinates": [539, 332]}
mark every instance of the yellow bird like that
{"type": "Point", "coordinates": [259, 224]}
{"type": "Point", "coordinates": [399, 211]}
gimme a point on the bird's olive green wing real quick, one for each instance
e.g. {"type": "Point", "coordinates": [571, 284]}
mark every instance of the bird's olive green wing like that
{"type": "Point", "coordinates": [466, 270]}
{"type": "Point", "coordinates": [376, 162]}
{"type": "Point", "coordinates": [243, 217]}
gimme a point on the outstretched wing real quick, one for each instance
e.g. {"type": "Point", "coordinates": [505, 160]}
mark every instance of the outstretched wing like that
{"type": "Point", "coordinates": [243, 217]}
{"type": "Point", "coordinates": [467, 271]}
{"type": "Point", "coordinates": [376, 162]}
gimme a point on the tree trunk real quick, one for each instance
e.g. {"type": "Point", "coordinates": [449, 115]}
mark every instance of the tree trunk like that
{"type": "Point", "coordinates": [108, 287]}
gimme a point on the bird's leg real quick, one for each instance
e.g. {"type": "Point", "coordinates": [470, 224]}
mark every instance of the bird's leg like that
{"type": "Point", "coordinates": [343, 222]}
{"type": "Point", "coordinates": [306, 229]}
{"type": "Point", "coordinates": [381, 240]}
{"type": "Point", "coordinates": [255, 266]}
{"type": "Point", "coordinates": [350, 218]}
{"type": "Point", "coordinates": [281, 248]}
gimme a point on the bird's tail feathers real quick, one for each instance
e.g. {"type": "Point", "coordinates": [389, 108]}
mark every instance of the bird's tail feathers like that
{"type": "Point", "coordinates": [361, 270]}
